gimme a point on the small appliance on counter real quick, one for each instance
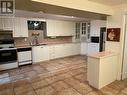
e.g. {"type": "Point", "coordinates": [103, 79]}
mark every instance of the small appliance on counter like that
{"type": "Point", "coordinates": [24, 55]}
{"type": "Point", "coordinates": [8, 54]}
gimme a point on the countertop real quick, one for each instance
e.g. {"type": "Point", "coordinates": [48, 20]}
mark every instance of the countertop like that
{"type": "Point", "coordinates": [43, 44]}
{"type": "Point", "coordinates": [102, 54]}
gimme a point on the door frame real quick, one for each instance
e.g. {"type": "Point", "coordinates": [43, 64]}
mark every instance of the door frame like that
{"type": "Point", "coordinates": [123, 75]}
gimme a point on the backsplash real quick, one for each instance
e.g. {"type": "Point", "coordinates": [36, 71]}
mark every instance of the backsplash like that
{"type": "Point", "coordinates": [41, 39]}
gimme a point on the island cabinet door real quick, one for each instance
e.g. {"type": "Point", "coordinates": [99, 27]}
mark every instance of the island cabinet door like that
{"type": "Point", "coordinates": [102, 70]}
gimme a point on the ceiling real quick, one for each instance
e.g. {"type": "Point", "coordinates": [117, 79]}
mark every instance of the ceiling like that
{"type": "Point", "coordinates": [28, 5]}
{"type": "Point", "coordinates": [110, 2]}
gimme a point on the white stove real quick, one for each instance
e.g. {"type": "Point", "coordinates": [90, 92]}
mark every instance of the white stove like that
{"type": "Point", "coordinates": [8, 54]}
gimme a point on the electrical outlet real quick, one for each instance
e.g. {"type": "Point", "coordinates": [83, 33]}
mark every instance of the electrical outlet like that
{"type": "Point", "coordinates": [25, 39]}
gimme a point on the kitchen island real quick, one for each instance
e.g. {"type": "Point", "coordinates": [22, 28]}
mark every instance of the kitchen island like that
{"type": "Point", "coordinates": [102, 69]}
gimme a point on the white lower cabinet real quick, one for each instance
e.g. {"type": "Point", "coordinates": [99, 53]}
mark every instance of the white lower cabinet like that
{"type": "Point", "coordinates": [43, 53]}
{"type": "Point", "coordinates": [40, 53]}
{"type": "Point", "coordinates": [52, 52]}
{"type": "Point", "coordinates": [64, 50]}
{"type": "Point", "coordinates": [83, 48]}
{"type": "Point", "coordinates": [59, 51]}
{"type": "Point", "coordinates": [75, 49]}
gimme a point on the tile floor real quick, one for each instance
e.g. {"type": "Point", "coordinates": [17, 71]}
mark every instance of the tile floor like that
{"type": "Point", "coordinates": [65, 76]}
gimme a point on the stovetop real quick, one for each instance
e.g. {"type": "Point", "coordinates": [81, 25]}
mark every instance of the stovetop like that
{"type": "Point", "coordinates": [7, 48]}
{"type": "Point", "coordinates": [3, 49]}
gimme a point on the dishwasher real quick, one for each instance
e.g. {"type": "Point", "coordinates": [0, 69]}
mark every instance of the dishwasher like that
{"type": "Point", "coordinates": [24, 56]}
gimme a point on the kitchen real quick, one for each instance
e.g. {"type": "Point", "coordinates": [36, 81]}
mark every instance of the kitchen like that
{"type": "Point", "coordinates": [47, 52]}
{"type": "Point", "coordinates": [22, 43]}
{"type": "Point", "coordinates": [47, 39]}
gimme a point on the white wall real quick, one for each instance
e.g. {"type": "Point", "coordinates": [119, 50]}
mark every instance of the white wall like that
{"type": "Point", "coordinates": [117, 21]}
{"type": "Point", "coordinates": [95, 27]}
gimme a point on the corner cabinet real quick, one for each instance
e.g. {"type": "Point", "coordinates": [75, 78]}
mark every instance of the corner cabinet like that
{"type": "Point", "coordinates": [20, 27]}
{"type": "Point", "coordinates": [82, 31]}
{"type": "Point", "coordinates": [60, 28]}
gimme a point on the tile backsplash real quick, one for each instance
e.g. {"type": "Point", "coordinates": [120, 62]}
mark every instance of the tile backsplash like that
{"type": "Point", "coordinates": [41, 39]}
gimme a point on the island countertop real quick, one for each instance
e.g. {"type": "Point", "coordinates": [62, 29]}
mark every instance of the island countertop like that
{"type": "Point", "coordinates": [103, 54]}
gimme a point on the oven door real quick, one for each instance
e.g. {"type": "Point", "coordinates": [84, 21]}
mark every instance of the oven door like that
{"type": "Point", "coordinates": [7, 56]}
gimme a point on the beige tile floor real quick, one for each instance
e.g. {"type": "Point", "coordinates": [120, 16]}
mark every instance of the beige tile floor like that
{"type": "Point", "coordinates": [64, 76]}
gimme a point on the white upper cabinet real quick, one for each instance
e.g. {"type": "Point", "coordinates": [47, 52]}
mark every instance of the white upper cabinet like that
{"type": "Point", "coordinates": [51, 28]}
{"type": "Point", "coordinates": [20, 27]}
{"type": "Point", "coordinates": [82, 32]}
{"type": "Point", "coordinates": [60, 28]}
{"type": "Point", "coordinates": [1, 24]}
{"type": "Point", "coordinates": [67, 28]}
{"type": "Point", "coordinates": [6, 23]}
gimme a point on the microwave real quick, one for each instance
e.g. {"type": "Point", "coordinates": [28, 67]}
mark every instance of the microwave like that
{"type": "Point", "coordinates": [94, 39]}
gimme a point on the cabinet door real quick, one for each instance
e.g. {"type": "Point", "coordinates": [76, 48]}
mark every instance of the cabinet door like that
{"type": "Point", "coordinates": [75, 49]}
{"type": "Point", "coordinates": [8, 23]}
{"type": "Point", "coordinates": [51, 28]}
{"type": "Point", "coordinates": [71, 49]}
{"type": "Point", "coordinates": [83, 28]}
{"type": "Point", "coordinates": [60, 28]}
{"type": "Point", "coordinates": [52, 52]}
{"type": "Point", "coordinates": [68, 28]}
{"type": "Point", "coordinates": [77, 32]}
{"type": "Point", "coordinates": [83, 48]}
{"type": "Point", "coordinates": [36, 54]}
{"type": "Point", "coordinates": [40, 53]}
{"type": "Point", "coordinates": [24, 27]}
{"type": "Point", "coordinates": [17, 28]}
{"type": "Point", "coordinates": [44, 53]}
{"type": "Point", "coordinates": [1, 24]}
{"type": "Point", "coordinates": [20, 27]}
{"type": "Point", "coordinates": [59, 51]}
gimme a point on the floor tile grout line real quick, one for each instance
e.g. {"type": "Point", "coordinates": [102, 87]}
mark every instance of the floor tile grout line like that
{"type": "Point", "coordinates": [77, 90]}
